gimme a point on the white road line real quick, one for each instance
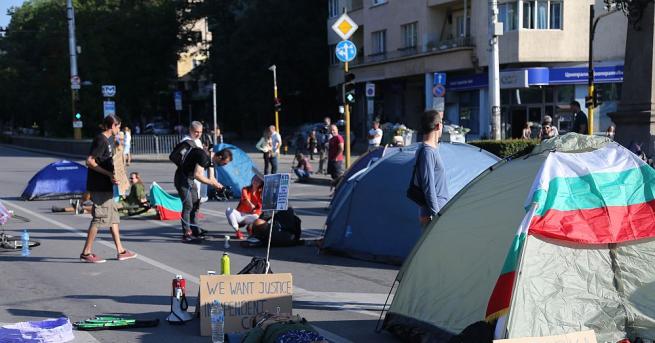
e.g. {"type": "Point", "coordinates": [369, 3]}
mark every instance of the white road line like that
{"type": "Point", "coordinates": [318, 298]}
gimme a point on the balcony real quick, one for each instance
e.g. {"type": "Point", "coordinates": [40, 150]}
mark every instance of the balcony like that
{"type": "Point", "coordinates": [409, 52]}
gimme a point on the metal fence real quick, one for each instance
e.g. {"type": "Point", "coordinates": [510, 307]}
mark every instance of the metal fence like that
{"type": "Point", "coordinates": [153, 147]}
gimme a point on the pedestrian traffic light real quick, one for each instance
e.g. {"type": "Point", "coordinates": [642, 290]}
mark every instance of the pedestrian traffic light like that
{"type": "Point", "coordinates": [349, 88]}
{"type": "Point", "coordinates": [277, 104]}
{"type": "Point", "coordinates": [598, 97]}
{"type": "Point", "coordinates": [588, 101]}
{"type": "Point", "coordinates": [78, 115]}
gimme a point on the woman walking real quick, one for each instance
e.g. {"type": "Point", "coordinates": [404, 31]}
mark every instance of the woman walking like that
{"type": "Point", "coordinates": [265, 145]}
{"type": "Point", "coordinates": [128, 144]}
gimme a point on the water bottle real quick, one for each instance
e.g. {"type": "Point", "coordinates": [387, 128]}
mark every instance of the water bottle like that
{"type": "Point", "coordinates": [225, 264]}
{"type": "Point", "coordinates": [117, 193]}
{"type": "Point", "coordinates": [217, 321]}
{"type": "Point", "coordinates": [25, 243]}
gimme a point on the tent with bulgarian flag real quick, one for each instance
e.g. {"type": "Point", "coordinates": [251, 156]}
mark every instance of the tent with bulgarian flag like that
{"type": "Point", "coordinates": [578, 254]}
{"type": "Point", "coordinates": [168, 207]}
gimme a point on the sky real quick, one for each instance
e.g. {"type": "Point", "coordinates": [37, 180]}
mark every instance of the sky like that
{"type": "Point", "coordinates": [4, 5]}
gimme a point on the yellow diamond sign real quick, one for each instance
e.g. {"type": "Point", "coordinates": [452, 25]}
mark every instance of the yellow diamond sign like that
{"type": "Point", "coordinates": [344, 27]}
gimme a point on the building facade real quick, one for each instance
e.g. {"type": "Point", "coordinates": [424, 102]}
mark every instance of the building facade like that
{"type": "Point", "coordinates": [543, 60]}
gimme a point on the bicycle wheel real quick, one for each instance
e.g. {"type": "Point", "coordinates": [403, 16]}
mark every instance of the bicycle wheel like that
{"type": "Point", "coordinates": [13, 243]}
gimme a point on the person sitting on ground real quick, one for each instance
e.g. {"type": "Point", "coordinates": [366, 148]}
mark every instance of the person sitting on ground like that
{"type": "Point", "coordinates": [303, 169]}
{"type": "Point", "coordinates": [83, 207]}
{"type": "Point", "coordinates": [249, 208]}
{"type": "Point", "coordinates": [137, 200]}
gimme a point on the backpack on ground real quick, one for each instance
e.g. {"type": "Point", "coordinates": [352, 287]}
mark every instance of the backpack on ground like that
{"type": "Point", "coordinates": [180, 152]}
{"type": "Point", "coordinates": [256, 266]}
{"type": "Point", "coordinates": [286, 231]}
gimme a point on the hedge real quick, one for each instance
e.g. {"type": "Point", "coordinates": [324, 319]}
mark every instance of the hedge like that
{"type": "Point", "coordinates": [508, 147]}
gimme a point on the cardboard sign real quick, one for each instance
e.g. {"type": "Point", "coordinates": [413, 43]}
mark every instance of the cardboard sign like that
{"type": "Point", "coordinates": [576, 337]}
{"type": "Point", "coordinates": [243, 297]}
{"type": "Point", "coordinates": [275, 196]}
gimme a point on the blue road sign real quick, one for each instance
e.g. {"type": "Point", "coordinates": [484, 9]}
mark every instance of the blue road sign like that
{"type": "Point", "coordinates": [439, 85]}
{"type": "Point", "coordinates": [346, 51]}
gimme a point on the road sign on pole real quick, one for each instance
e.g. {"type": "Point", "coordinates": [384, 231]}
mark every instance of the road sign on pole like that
{"type": "Point", "coordinates": [346, 51]}
{"type": "Point", "coordinates": [344, 26]}
{"type": "Point", "coordinates": [178, 100]}
{"type": "Point", "coordinates": [370, 89]}
{"type": "Point", "coordinates": [75, 82]}
{"type": "Point", "coordinates": [108, 91]}
{"type": "Point", "coordinates": [109, 108]}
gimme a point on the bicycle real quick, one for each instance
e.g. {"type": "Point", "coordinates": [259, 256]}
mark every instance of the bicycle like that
{"type": "Point", "coordinates": [9, 242]}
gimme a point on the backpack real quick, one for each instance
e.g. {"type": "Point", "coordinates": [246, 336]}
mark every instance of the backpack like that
{"type": "Point", "coordinates": [180, 152]}
{"type": "Point", "coordinates": [286, 229]}
{"type": "Point", "coordinates": [256, 266]}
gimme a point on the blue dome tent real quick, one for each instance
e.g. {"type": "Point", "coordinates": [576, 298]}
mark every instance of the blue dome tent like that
{"type": "Point", "coordinates": [238, 173]}
{"type": "Point", "coordinates": [58, 180]}
{"type": "Point", "coordinates": [372, 218]}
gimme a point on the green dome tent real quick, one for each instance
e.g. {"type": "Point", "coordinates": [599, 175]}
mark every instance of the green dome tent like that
{"type": "Point", "coordinates": [578, 254]}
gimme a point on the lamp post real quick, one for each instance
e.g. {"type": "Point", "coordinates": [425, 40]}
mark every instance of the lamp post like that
{"type": "Point", "coordinates": [273, 68]}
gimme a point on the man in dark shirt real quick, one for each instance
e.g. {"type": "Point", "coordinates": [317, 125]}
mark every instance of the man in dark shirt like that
{"type": "Point", "coordinates": [100, 183]}
{"type": "Point", "coordinates": [193, 168]}
{"type": "Point", "coordinates": [580, 120]}
{"type": "Point", "coordinates": [430, 170]}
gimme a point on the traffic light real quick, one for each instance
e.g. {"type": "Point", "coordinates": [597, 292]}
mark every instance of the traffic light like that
{"type": "Point", "coordinates": [277, 104]}
{"type": "Point", "coordinates": [588, 101]}
{"type": "Point", "coordinates": [349, 88]}
{"type": "Point", "coordinates": [78, 116]}
{"type": "Point", "coordinates": [598, 97]}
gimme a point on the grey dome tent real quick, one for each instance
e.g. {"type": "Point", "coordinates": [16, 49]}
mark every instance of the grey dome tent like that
{"type": "Point", "coordinates": [370, 216]}
{"type": "Point", "coordinates": [583, 256]}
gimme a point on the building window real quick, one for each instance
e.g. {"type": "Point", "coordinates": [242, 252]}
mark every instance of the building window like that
{"type": "Point", "coordinates": [333, 56]}
{"type": "Point", "coordinates": [460, 26]}
{"type": "Point", "coordinates": [410, 35]}
{"type": "Point", "coordinates": [379, 42]}
{"type": "Point", "coordinates": [333, 8]}
{"type": "Point", "coordinates": [379, 2]}
{"type": "Point", "coordinates": [542, 14]}
{"type": "Point", "coordinates": [508, 15]}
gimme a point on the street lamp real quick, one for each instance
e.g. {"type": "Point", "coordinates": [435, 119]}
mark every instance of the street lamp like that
{"type": "Point", "coordinates": [273, 68]}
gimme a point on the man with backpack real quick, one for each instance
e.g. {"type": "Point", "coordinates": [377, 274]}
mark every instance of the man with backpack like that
{"type": "Point", "coordinates": [192, 161]}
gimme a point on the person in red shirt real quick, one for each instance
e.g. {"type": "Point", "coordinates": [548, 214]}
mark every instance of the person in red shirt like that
{"type": "Point", "coordinates": [249, 208]}
{"type": "Point", "coordinates": [335, 154]}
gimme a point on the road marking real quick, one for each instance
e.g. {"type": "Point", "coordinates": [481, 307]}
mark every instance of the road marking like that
{"type": "Point", "coordinates": [334, 300]}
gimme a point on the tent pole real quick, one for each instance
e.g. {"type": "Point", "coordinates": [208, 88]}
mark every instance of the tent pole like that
{"type": "Point", "coordinates": [378, 328]}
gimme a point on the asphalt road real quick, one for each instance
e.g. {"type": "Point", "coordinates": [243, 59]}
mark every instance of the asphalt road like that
{"type": "Point", "coordinates": [339, 296]}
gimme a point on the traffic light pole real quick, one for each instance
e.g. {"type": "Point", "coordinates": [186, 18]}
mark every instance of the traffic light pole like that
{"type": "Point", "coordinates": [273, 68]}
{"type": "Point", "coordinates": [590, 77]}
{"type": "Point", "coordinates": [346, 108]}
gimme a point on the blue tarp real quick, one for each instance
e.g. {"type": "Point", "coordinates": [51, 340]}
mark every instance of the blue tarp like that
{"type": "Point", "coordinates": [372, 218]}
{"type": "Point", "coordinates": [238, 173]}
{"type": "Point", "coordinates": [58, 180]}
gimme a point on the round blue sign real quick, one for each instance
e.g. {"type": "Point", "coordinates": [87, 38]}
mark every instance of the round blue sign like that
{"type": "Point", "coordinates": [346, 51]}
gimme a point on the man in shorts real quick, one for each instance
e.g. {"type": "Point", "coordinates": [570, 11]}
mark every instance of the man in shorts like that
{"type": "Point", "coordinates": [100, 183]}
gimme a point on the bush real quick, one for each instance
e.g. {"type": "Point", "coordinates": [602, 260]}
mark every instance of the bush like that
{"type": "Point", "coordinates": [508, 147]}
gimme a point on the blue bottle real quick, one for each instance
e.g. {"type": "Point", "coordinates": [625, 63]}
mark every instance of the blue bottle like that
{"type": "Point", "coordinates": [25, 243]}
{"type": "Point", "coordinates": [217, 318]}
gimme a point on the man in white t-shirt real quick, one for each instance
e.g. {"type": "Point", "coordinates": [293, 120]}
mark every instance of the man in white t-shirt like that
{"type": "Point", "coordinates": [374, 136]}
{"type": "Point", "coordinates": [276, 142]}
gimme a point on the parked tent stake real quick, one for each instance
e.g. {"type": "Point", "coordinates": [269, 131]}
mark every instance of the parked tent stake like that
{"type": "Point", "coordinates": [268, 247]}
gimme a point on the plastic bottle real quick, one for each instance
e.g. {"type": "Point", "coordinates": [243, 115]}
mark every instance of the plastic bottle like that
{"type": "Point", "coordinates": [25, 243]}
{"type": "Point", "coordinates": [217, 322]}
{"type": "Point", "coordinates": [117, 193]}
{"type": "Point", "coordinates": [225, 264]}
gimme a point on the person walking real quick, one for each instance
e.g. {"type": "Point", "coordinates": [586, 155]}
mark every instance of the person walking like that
{"type": "Point", "coordinates": [193, 169]}
{"type": "Point", "coordinates": [276, 144]}
{"type": "Point", "coordinates": [249, 208]}
{"type": "Point", "coordinates": [580, 120]}
{"type": "Point", "coordinates": [265, 145]}
{"type": "Point", "coordinates": [374, 136]}
{"type": "Point", "coordinates": [323, 143]}
{"type": "Point", "coordinates": [335, 155]}
{"type": "Point", "coordinates": [128, 146]}
{"type": "Point", "coordinates": [312, 144]}
{"type": "Point", "coordinates": [430, 169]}
{"type": "Point", "coordinates": [100, 182]}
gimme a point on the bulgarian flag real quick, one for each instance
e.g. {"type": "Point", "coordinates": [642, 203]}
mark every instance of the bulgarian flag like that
{"type": "Point", "coordinates": [598, 197]}
{"type": "Point", "coordinates": [168, 207]}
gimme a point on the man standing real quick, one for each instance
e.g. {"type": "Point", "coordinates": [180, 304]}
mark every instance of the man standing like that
{"type": "Point", "coordinates": [374, 136]}
{"type": "Point", "coordinates": [193, 169]}
{"type": "Point", "coordinates": [430, 171]}
{"type": "Point", "coordinates": [335, 154]}
{"type": "Point", "coordinates": [100, 183]}
{"type": "Point", "coordinates": [276, 143]}
{"type": "Point", "coordinates": [323, 142]}
{"type": "Point", "coordinates": [580, 120]}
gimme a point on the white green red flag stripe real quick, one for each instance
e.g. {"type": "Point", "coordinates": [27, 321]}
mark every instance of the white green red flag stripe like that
{"type": "Point", "coordinates": [598, 197]}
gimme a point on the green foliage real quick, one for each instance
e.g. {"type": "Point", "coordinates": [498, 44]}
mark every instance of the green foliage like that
{"type": "Point", "coordinates": [507, 148]}
{"type": "Point", "coordinates": [132, 44]}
